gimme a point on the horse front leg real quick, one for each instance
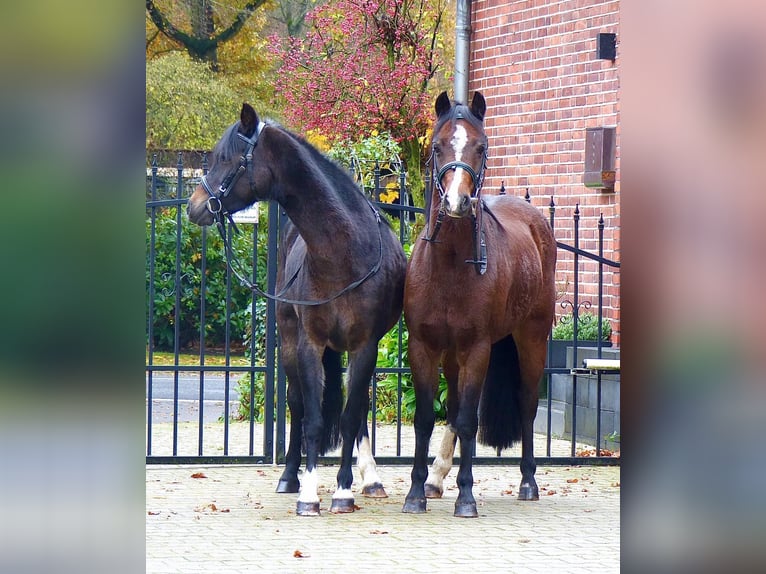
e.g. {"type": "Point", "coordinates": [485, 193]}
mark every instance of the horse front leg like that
{"type": "Point", "coordinates": [425, 377]}
{"type": "Point", "coordinates": [473, 369]}
{"type": "Point", "coordinates": [360, 369]}
{"type": "Point", "coordinates": [311, 373]}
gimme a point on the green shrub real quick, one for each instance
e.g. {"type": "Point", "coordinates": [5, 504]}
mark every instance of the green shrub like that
{"type": "Point", "coordinates": [388, 384]}
{"type": "Point", "coordinates": [587, 328]}
{"type": "Point", "coordinates": [362, 155]}
{"type": "Point", "coordinates": [259, 397]}
{"type": "Point", "coordinates": [215, 299]}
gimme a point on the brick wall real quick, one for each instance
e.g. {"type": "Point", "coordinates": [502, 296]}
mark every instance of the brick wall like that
{"type": "Point", "coordinates": [535, 62]}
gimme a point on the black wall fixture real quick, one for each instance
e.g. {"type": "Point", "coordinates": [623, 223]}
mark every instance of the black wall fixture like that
{"type": "Point", "coordinates": [606, 46]}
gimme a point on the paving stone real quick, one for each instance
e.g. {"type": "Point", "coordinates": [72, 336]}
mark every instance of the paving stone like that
{"type": "Point", "coordinates": [233, 521]}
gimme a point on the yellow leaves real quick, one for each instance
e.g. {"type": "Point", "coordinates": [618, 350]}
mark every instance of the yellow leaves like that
{"type": "Point", "coordinates": [391, 194]}
{"type": "Point", "coordinates": [318, 140]}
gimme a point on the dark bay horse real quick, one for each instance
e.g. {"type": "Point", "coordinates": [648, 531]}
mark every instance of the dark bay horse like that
{"type": "Point", "coordinates": [340, 287]}
{"type": "Point", "coordinates": [479, 300]}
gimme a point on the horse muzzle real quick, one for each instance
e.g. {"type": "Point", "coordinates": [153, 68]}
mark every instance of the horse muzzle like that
{"type": "Point", "coordinates": [462, 208]}
{"type": "Point", "coordinates": [199, 208]}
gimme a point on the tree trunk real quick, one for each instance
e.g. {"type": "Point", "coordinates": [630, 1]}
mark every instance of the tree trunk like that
{"type": "Point", "coordinates": [204, 27]}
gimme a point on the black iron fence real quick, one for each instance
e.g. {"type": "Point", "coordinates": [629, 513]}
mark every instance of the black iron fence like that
{"type": "Point", "coordinates": [216, 393]}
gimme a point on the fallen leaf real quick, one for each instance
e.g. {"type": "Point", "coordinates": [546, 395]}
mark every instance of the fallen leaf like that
{"type": "Point", "coordinates": [299, 554]}
{"type": "Point", "coordinates": [550, 492]}
{"type": "Point", "coordinates": [524, 540]}
{"type": "Point", "coordinates": [198, 475]}
{"type": "Point", "coordinates": [152, 513]}
{"type": "Point", "coordinates": [572, 480]}
{"type": "Point", "coordinates": [378, 531]}
{"type": "Point", "coordinates": [615, 484]}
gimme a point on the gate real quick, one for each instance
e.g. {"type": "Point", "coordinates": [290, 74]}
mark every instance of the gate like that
{"type": "Point", "coordinates": [197, 314]}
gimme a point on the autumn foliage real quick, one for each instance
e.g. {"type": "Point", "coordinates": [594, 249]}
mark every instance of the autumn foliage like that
{"type": "Point", "coordinates": [363, 65]}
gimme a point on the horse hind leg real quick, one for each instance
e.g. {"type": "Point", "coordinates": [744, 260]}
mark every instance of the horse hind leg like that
{"type": "Point", "coordinates": [531, 368]}
{"type": "Point", "coordinates": [288, 482]}
{"type": "Point", "coordinates": [434, 486]}
{"type": "Point", "coordinates": [361, 367]}
{"type": "Point", "coordinates": [372, 486]}
{"type": "Point", "coordinates": [441, 466]}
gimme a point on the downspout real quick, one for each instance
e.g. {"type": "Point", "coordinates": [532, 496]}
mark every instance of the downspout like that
{"type": "Point", "coordinates": [462, 49]}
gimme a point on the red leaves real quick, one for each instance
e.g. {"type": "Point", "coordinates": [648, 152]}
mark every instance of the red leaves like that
{"type": "Point", "coordinates": [346, 78]}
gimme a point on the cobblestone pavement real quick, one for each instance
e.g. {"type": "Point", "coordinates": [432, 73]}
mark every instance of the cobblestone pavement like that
{"type": "Point", "coordinates": [228, 519]}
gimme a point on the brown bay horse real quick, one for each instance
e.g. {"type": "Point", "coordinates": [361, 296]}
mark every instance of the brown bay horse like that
{"type": "Point", "coordinates": [340, 286]}
{"type": "Point", "coordinates": [479, 301]}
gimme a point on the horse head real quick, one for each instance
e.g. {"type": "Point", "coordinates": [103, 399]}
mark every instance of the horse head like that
{"type": "Point", "coordinates": [235, 175]}
{"type": "Point", "coordinates": [459, 148]}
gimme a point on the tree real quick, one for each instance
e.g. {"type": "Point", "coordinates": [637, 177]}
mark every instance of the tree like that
{"type": "Point", "coordinates": [187, 105]}
{"type": "Point", "coordinates": [290, 15]}
{"type": "Point", "coordinates": [202, 41]}
{"type": "Point", "coordinates": [366, 65]}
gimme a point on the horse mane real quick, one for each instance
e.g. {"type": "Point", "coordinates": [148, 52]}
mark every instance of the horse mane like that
{"type": "Point", "coordinates": [230, 147]}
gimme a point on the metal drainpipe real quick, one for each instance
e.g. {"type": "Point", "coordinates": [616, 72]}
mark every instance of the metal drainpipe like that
{"type": "Point", "coordinates": [462, 49]}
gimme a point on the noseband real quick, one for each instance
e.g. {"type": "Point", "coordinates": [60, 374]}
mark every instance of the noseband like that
{"type": "Point", "coordinates": [214, 204]}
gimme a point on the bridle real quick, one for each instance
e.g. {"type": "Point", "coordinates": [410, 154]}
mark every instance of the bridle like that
{"type": "Point", "coordinates": [215, 206]}
{"type": "Point", "coordinates": [477, 180]}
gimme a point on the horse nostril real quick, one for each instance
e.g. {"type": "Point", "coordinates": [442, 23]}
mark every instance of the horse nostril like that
{"type": "Point", "coordinates": [465, 203]}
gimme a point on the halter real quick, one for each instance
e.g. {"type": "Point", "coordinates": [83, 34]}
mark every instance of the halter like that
{"type": "Point", "coordinates": [477, 180]}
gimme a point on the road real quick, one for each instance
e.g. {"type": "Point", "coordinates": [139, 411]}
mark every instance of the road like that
{"type": "Point", "coordinates": [188, 396]}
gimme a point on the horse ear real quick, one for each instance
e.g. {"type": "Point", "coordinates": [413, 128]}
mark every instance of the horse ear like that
{"type": "Point", "coordinates": [248, 119]}
{"type": "Point", "coordinates": [443, 104]}
{"type": "Point", "coordinates": [478, 106]}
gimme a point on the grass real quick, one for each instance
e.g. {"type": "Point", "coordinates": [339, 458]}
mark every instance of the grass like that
{"type": "Point", "coordinates": [212, 358]}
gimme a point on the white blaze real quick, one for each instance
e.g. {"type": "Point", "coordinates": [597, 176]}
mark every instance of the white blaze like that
{"type": "Point", "coordinates": [458, 141]}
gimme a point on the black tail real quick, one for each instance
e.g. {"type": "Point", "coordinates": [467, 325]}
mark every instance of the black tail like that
{"type": "Point", "coordinates": [500, 406]}
{"type": "Point", "coordinates": [332, 401]}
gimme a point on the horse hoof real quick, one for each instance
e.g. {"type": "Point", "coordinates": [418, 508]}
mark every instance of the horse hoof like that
{"type": "Point", "coordinates": [433, 491]}
{"type": "Point", "coordinates": [307, 508]}
{"type": "Point", "coordinates": [466, 510]}
{"type": "Point", "coordinates": [414, 506]}
{"type": "Point", "coordinates": [342, 505]}
{"type": "Point", "coordinates": [288, 486]}
{"type": "Point", "coordinates": [528, 492]}
{"type": "Point", "coordinates": [374, 491]}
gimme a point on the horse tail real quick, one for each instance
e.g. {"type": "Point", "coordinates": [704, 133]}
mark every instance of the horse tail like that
{"type": "Point", "coordinates": [500, 405]}
{"type": "Point", "coordinates": [332, 400]}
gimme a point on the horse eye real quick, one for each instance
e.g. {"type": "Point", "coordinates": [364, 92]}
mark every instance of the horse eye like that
{"type": "Point", "coordinates": [437, 149]}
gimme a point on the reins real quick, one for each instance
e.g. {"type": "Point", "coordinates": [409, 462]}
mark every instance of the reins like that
{"type": "Point", "coordinates": [279, 297]}
{"type": "Point", "coordinates": [215, 206]}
